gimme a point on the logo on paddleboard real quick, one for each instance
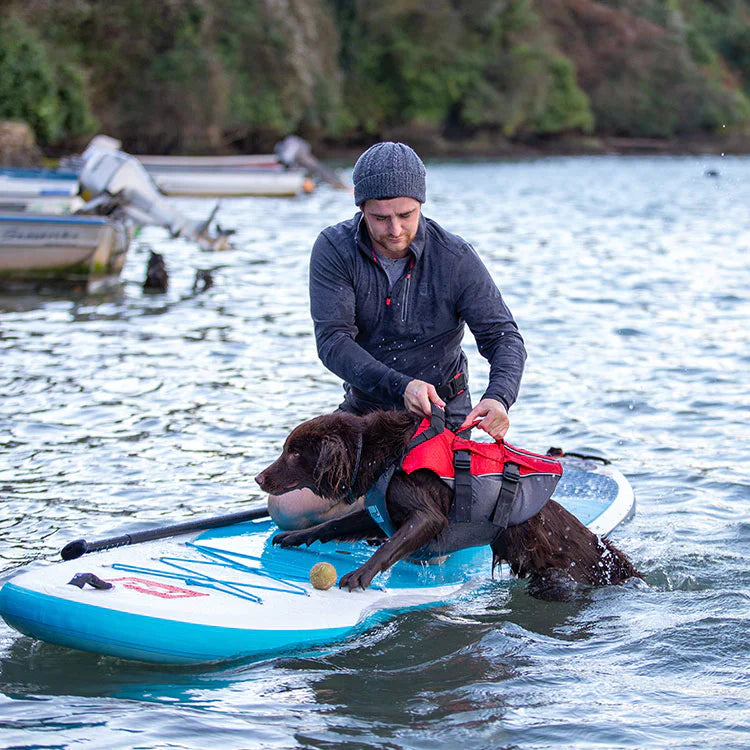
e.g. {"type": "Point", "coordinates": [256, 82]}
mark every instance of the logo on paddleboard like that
{"type": "Point", "coordinates": [154, 588]}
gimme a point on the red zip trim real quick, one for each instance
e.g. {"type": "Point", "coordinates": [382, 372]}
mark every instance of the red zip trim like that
{"type": "Point", "coordinates": [375, 261]}
{"type": "Point", "coordinates": [408, 276]}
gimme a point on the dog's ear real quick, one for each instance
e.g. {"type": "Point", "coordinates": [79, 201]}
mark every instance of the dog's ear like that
{"type": "Point", "coordinates": [334, 466]}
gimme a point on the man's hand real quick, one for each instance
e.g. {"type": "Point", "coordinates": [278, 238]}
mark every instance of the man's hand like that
{"type": "Point", "coordinates": [419, 397]}
{"type": "Point", "coordinates": [493, 418]}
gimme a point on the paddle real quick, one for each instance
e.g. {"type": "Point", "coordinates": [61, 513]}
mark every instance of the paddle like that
{"type": "Point", "coordinates": [79, 547]}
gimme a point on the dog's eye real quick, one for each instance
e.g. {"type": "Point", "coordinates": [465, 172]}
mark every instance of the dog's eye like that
{"type": "Point", "coordinates": [293, 454]}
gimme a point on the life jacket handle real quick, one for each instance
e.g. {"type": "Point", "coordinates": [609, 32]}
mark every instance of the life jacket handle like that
{"type": "Point", "coordinates": [437, 425]}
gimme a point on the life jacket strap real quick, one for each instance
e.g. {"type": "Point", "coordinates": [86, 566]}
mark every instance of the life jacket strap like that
{"type": "Point", "coordinates": [375, 496]}
{"type": "Point", "coordinates": [462, 486]}
{"type": "Point", "coordinates": [437, 425]}
{"type": "Point", "coordinates": [375, 501]}
{"type": "Point", "coordinates": [505, 498]}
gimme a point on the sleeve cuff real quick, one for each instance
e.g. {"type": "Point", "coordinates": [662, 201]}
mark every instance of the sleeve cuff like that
{"type": "Point", "coordinates": [499, 398]}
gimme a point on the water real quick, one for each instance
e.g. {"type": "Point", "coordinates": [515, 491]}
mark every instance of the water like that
{"type": "Point", "coordinates": [629, 279]}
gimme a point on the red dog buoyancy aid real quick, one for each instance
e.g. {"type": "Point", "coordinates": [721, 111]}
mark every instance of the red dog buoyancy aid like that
{"type": "Point", "coordinates": [495, 485]}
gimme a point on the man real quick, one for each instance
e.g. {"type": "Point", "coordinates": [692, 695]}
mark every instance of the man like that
{"type": "Point", "coordinates": [390, 294]}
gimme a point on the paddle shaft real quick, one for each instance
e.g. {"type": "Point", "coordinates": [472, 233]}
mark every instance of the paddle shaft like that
{"type": "Point", "coordinates": [79, 547]}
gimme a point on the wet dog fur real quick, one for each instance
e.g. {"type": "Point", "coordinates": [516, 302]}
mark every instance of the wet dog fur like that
{"type": "Point", "coordinates": [553, 550]}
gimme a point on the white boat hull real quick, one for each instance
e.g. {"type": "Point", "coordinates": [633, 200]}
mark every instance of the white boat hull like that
{"type": "Point", "coordinates": [209, 162]}
{"type": "Point", "coordinates": [40, 204]}
{"type": "Point", "coordinates": [55, 248]}
{"type": "Point", "coordinates": [228, 182]}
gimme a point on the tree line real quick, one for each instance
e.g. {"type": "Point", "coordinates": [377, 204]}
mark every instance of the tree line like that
{"type": "Point", "coordinates": [221, 75]}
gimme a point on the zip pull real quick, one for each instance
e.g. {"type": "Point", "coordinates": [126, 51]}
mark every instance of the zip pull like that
{"type": "Point", "coordinates": [378, 263]}
{"type": "Point", "coordinates": [407, 286]}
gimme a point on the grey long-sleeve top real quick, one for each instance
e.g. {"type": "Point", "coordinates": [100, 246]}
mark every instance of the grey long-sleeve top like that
{"type": "Point", "coordinates": [378, 338]}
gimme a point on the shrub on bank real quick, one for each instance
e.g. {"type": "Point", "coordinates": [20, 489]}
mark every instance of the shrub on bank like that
{"type": "Point", "coordinates": [49, 97]}
{"type": "Point", "coordinates": [215, 75]}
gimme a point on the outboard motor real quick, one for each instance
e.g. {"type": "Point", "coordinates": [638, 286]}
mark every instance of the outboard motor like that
{"type": "Point", "coordinates": [293, 151]}
{"type": "Point", "coordinates": [108, 174]}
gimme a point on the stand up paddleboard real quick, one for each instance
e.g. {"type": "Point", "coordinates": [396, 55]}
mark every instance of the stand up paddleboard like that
{"type": "Point", "coordinates": [229, 594]}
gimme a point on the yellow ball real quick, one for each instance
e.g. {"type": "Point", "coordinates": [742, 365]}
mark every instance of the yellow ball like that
{"type": "Point", "coordinates": [322, 575]}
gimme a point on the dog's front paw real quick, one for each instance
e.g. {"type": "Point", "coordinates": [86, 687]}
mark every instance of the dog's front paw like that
{"type": "Point", "coordinates": [289, 539]}
{"type": "Point", "coordinates": [357, 579]}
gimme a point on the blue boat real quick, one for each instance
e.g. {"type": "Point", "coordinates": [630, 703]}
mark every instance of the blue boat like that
{"type": "Point", "coordinates": [45, 191]}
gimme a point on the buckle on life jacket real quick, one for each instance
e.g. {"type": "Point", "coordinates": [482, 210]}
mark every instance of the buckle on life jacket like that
{"type": "Point", "coordinates": [456, 385]}
{"type": "Point", "coordinates": [375, 496]}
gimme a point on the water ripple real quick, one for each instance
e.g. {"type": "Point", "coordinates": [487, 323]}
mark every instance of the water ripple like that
{"type": "Point", "coordinates": [629, 279]}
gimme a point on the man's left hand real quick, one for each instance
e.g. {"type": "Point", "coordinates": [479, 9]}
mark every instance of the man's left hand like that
{"type": "Point", "coordinates": [492, 416]}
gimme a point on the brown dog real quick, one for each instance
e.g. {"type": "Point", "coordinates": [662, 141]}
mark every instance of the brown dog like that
{"type": "Point", "coordinates": [554, 549]}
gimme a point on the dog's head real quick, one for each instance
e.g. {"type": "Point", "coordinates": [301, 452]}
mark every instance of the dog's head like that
{"type": "Point", "coordinates": [319, 454]}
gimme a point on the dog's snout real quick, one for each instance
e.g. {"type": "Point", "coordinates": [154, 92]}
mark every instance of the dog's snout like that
{"type": "Point", "coordinates": [260, 479]}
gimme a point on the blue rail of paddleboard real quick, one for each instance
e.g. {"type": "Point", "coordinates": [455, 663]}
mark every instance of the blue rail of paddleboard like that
{"type": "Point", "coordinates": [134, 636]}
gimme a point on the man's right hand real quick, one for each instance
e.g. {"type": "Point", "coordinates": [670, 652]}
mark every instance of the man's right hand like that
{"type": "Point", "coordinates": [419, 397]}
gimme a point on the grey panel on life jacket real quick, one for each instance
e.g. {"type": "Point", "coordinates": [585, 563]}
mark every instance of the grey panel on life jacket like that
{"type": "Point", "coordinates": [534, 490]}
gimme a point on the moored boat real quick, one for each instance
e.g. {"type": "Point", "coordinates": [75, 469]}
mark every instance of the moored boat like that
{"type": "Point", "coordinates": [289, 171]}
{"type": "Point", "coordinates": [62, 249]}
{"type": "Point", "coordinates": [39, 191]}
{"type": "Point", "coordinates": [239, 161]}
{"type": "Point", "coordinates": [229, 181]}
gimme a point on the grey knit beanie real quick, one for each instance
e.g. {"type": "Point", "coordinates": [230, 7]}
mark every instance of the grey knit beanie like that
{"type": "Point", "coordinates": [389, 170]}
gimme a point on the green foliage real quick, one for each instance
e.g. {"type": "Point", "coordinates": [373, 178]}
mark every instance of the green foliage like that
{"type": "Point", "coordinates": [49, 97]}
{"type": "Point", "coordinates": [199, 75]}
{"type": "Point", "coordinates": [735, 48]}
{"type": "Point", "coordinates": [148, 69]}
{"type": "Point", "coordinates": [401, 63]}
{"type": "Point", "coordinates": [665, 99]}
{"type": "Point", "coordinates": [566, 107]}
{"type": "Point", "coordinates": [533, 88]}
{"type": "Point", "coordinates": [472, 65]}
{"type": "Point", "coordinates": [252, 51]}
{"type": "Point", "coordinates": [27, 82]}
{"type": "Point", "coordinates": [724, 28]}
{"type": "Point", "coordinates": [534, 91]}
{"type": "Point", "coordinates": [659, 68]}
{"type": "Point", "coordinates": [76, 117]}
{"type": "Point", "coordinates": [192, 75]}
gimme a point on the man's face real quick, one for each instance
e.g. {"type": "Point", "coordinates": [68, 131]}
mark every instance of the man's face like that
{"type": "Point", "coordinates": [392, 224]}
